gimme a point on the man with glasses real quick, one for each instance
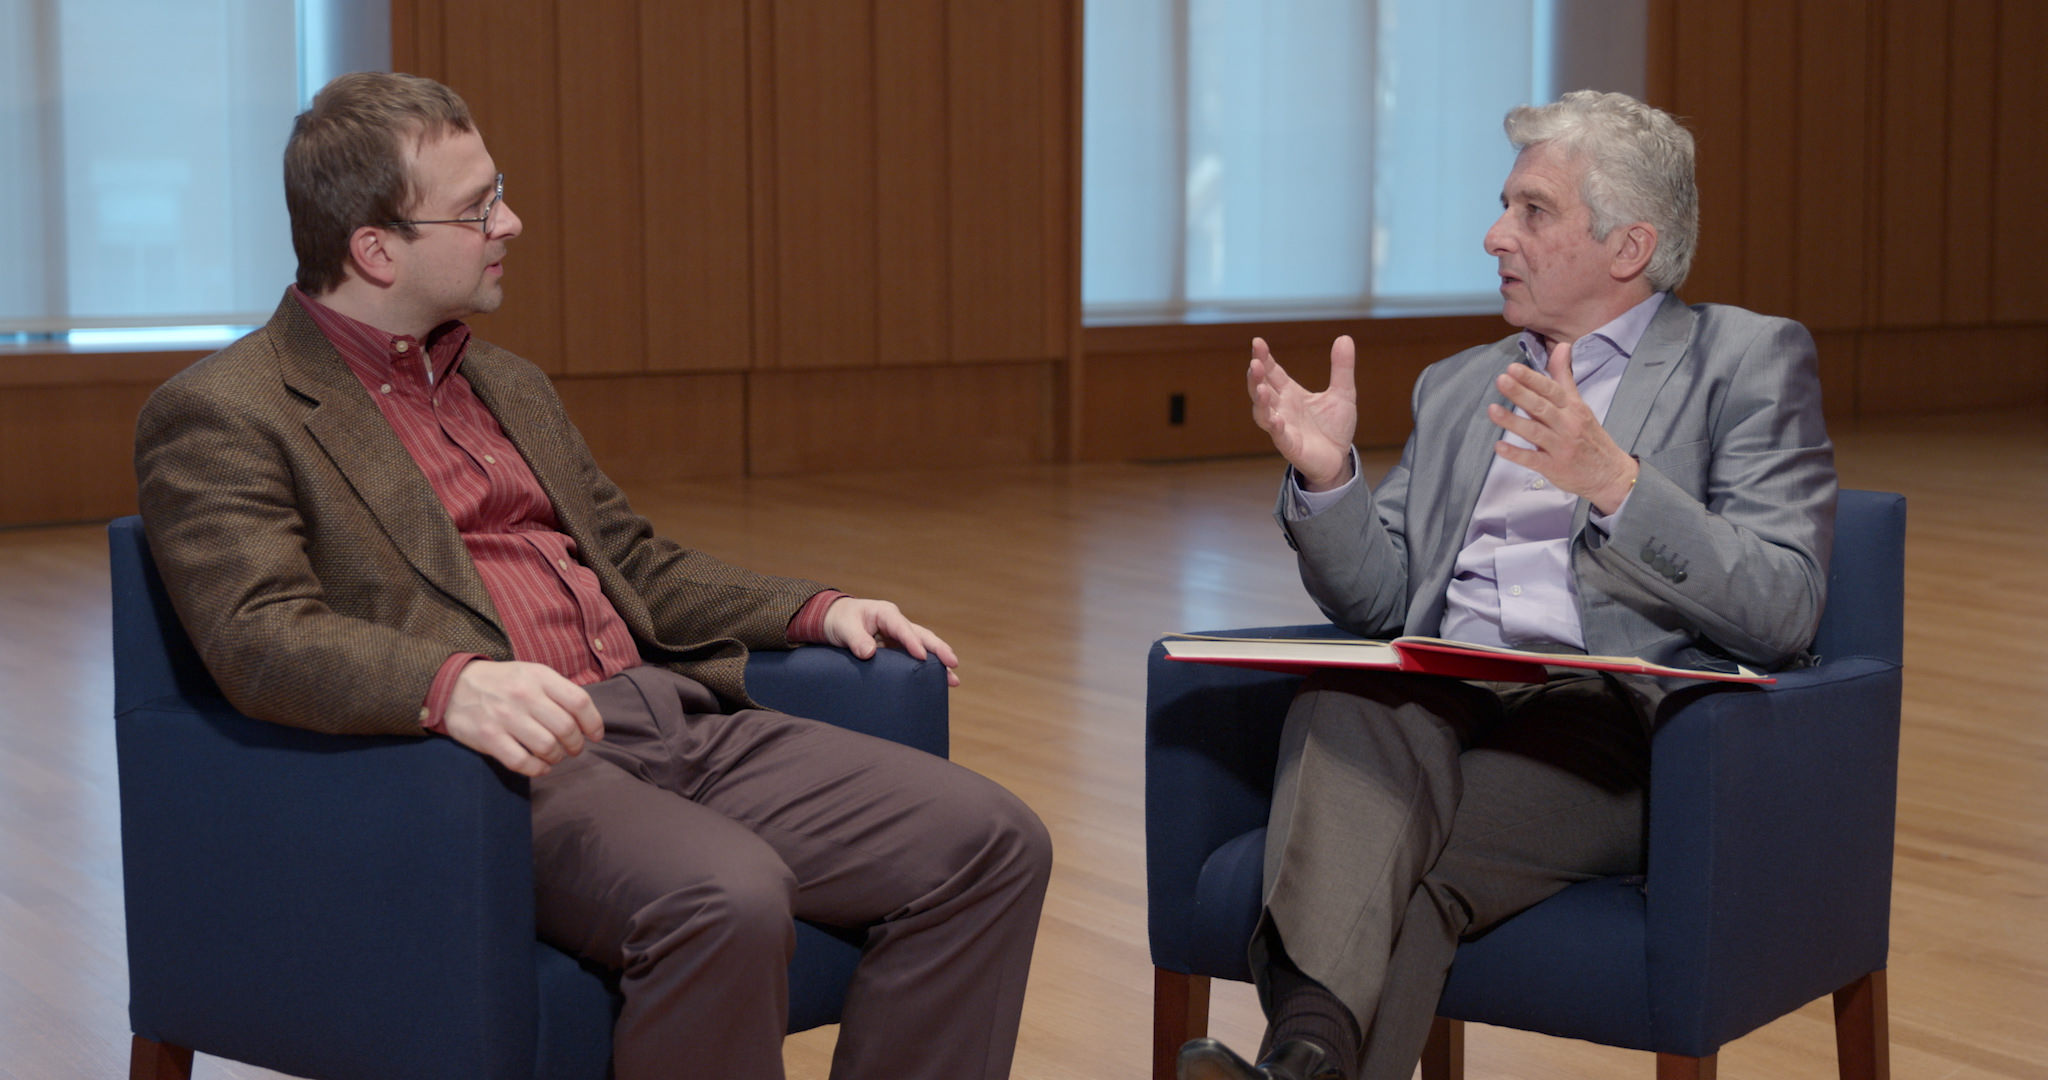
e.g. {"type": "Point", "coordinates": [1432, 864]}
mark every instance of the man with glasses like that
{"type": "Point", "coordinates": [373, 523]}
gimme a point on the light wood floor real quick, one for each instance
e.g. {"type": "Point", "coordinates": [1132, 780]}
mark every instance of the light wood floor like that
{"type": "Point", "coordinates": [1052, 582]}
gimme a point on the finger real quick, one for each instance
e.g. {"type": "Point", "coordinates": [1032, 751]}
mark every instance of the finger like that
{"type": "Point", "coordinates": [1515, 423]}
{"type": "Point", "coordinates": [509, 752]}
{"type": "Point", "coordinates": [576, 703]}
{"type": "Point", "coordinates": [1265, 407]}
{"type": "Point", "coordinates": [1561, 361]}
{"type": "Point", "coordinates": [548, 733]}
{"type": "Point", "coordinates": [1535, 392]}
{"type": "Point", "coordinates": [1528, 459]}
{"type": "Point", "coordinates": [865, 640]}
{"type": "Point", "coordinates": [1270, 373]}
{"type": "Point", "coordinates": [1343, 366]}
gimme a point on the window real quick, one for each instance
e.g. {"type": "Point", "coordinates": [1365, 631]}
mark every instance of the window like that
{"type": "Point", "coordinates": [141, 199]}
{"type": "Point", "coordinates": [1243, 158]}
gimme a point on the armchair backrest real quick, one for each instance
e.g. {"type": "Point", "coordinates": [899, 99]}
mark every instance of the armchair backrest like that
{"type": "Point", "coordinates": [1865, 614]}
{"type": "Point", "coordinates": [153, 656]}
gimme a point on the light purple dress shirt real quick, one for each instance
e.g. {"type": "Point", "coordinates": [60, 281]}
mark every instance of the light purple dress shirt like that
{"type": "Point", "coordinates": [1512, 584]}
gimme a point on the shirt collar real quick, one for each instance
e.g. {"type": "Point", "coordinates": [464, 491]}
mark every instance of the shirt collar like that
{"type": "Point", "coordinates": [363, 345]}
{"type": "Point", "coordinates": [1620, 336]}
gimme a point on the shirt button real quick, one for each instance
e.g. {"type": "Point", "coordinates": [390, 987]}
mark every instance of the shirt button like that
{"type": "Point", "coordinates": [596, 644]}
{"type": "Point", "coordinates": [1537, 484]}
{"type": "Point", "coordinates": [1514, 590]}
{"type": "Point", "coordinates": [491, 460]}
{"type": "Point", "coordinates": [386, 388]}
{"type": "Point", "coordinates": [561, 564]}
{"type": "Point", "coordinates": [401, 345]}
{"type": "Point", "coordinates": [423, 714]}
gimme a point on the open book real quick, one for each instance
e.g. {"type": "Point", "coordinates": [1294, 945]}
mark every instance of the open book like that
{"type": "Point", "coordinates": [1423, 655]}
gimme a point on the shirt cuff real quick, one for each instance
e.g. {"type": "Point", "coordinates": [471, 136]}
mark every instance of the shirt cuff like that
{"type": "Point", "coordinates": [1605, 522]}
{"type": "Point", "coordinates": [807, 626]}
{"type": "Point", "coordinates": [434, 714]}
{"type": "Point", "coordinates": [1303, 503]}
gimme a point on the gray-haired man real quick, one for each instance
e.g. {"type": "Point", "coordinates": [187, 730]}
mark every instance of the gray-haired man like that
{"type": "Point", "coordinates": [1628, 475]}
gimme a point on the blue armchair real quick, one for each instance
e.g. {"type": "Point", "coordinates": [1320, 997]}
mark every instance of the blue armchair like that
{"type": "Point", "coordinates": [339, 906]}
{"type": "Point", "coordinates": [1770, 851]}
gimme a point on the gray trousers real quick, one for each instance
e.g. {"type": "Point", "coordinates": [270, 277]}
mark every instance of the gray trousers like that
{"type": "Point", "coordinates": [677, 851]}
{"type": "Point", "coordinates": [1412, 811]}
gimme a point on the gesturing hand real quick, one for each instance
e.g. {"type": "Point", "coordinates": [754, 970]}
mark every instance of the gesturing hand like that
{"type": "Point", "coordinates": [525, 715]}
{"type": "Point", "coordinates": [1312, 431]}
{"type": "Point", "coordinates": [861, 625]}
{"type": "Point", "coordinates": [1571, 449]}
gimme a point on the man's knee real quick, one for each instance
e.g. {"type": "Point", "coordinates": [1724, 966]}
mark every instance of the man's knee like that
{"type": "Point", "coordinates": [743, 909]}
{"type": "Point", "coordinates": [997, 831]}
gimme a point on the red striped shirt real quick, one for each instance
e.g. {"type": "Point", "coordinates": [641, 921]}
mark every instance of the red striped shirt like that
{"type": "Point", "coordinates": [552, 607]}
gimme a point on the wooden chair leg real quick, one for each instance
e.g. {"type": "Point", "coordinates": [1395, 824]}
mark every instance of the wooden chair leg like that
{"type": "Point", "coordinates": [1180, 1011]}
{"type": "Point", "coordinates": [149, 1059]}
{"type": "Point", "coordinates": [1680, 1067]}
{"type": "Point", "coordinates": [1863, 1044]}
{"type": "Point", "coordinates": [1443, 1056]}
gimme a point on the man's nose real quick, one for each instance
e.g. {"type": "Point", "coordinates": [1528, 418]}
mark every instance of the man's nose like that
{"type": "Point", "coordinates": [507, 223]}
{"type": "Point", "coordinates": [1496, 239]}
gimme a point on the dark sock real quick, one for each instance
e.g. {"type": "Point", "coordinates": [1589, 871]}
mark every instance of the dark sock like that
{"type": "Point", "coordinates": [1304, 1009]}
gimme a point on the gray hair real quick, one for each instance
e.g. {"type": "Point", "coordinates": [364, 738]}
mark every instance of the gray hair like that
{"type": "Point", "coordinates": [1638, 168]}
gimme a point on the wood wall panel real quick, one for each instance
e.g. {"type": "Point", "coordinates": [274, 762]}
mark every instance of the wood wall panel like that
{"type": "Point", "coordinates": [653, 429]}
{"type": "Point", "coordinates": [694, 102]}
{"type": "Point", "coordinates": [501, 58]}
{"type": "Point", "coordinates": [1770, 168]}
{"type": "Point", "coordinates": [1952, 369]}
{"type": "Point", "coordinates": [69, 451]}
{"type": "Point", "coordinates": [2019, 288]}
{"type": "Point", "coordinates": [824, 137]}
{"type": "Point", "coordinates": [1972, 125]}
{"type": "Point", "coordinates": [1837, 353]}
{"type": "Point", "coordinates": [1001, 259]}
{"type": "Point", "coordinates": [1709, 68]}
{"type": "Point", "coordinates": [1831, 202]}
{"type": "Point", "coordinates": [955, 416]}
{"type": "Point", "coordinates": [913, 254]}
{"type": "Point", "coordinates": [602, 198]}
{"type": "Point", "coordinates": [1914, 175]}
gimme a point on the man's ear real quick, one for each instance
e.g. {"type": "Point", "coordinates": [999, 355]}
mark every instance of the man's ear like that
{"type": "Point", "coordinates": [1633, 245]}
{"type": "Point", "coordinates": [371, 257]}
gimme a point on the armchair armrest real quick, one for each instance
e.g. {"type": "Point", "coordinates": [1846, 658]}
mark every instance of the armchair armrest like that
{"type": "Point", "coordinates": [891, 696]}
{"type": "Point", "coordinates": [1771, 824]}
{"type": "Point", "coordinates": [1212, 736]}
{"type": "Point", "coordinates": [290, 890]}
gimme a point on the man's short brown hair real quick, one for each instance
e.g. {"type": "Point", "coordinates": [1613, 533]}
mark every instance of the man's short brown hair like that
{"type": "Point", "coordinates": [345, 165]}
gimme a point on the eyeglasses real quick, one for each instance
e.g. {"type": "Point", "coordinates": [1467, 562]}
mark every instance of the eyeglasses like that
{"type": "Point", "coordinates": [483, 219]}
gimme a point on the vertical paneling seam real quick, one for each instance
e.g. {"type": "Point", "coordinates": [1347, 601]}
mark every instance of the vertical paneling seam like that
{"type": "Point", "coordinates": [944, 156]}
{"type": "Point", "coordinates": [1989, 250]}
{"type": "Point", "coordinates": [879, 334]}
{"type": "Point", "coordinates": [1875, 20]}
{"type": "Point", "coordinates": [1798, 172]}
{"type": "Point", "coordinates": [1743, 148]}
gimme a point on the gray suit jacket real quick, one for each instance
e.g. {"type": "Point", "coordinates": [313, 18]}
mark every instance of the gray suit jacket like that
{"type": "Point", "coordinates": [1721, 551]}
{"type": "Point", "coordinates": [321, 578]}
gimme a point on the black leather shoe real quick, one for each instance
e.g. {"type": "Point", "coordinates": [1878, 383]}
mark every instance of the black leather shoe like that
{"type": "Point", "coordinates": [1293, 1059]}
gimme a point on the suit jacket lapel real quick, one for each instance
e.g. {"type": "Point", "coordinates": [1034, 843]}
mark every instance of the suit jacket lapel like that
{"type": "Point", "coordinates": [1658, 355]}
{"type": "Point", "coordinates": [355, 436]}
{"type": "Point", "coordinates": [485, 369]}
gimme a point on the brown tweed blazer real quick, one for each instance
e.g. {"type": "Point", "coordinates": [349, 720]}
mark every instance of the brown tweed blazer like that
{"type": "Point", "coordinates": [322, 580]}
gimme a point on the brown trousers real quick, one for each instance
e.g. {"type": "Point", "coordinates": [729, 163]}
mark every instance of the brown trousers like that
{"type": "Point", "coordinates": [1411, 811]}
{"type": "Point", "coordinates": [679, 848]}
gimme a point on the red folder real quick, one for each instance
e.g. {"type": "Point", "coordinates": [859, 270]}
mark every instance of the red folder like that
{"type": "Point", "coordinates": [1422, 655]}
